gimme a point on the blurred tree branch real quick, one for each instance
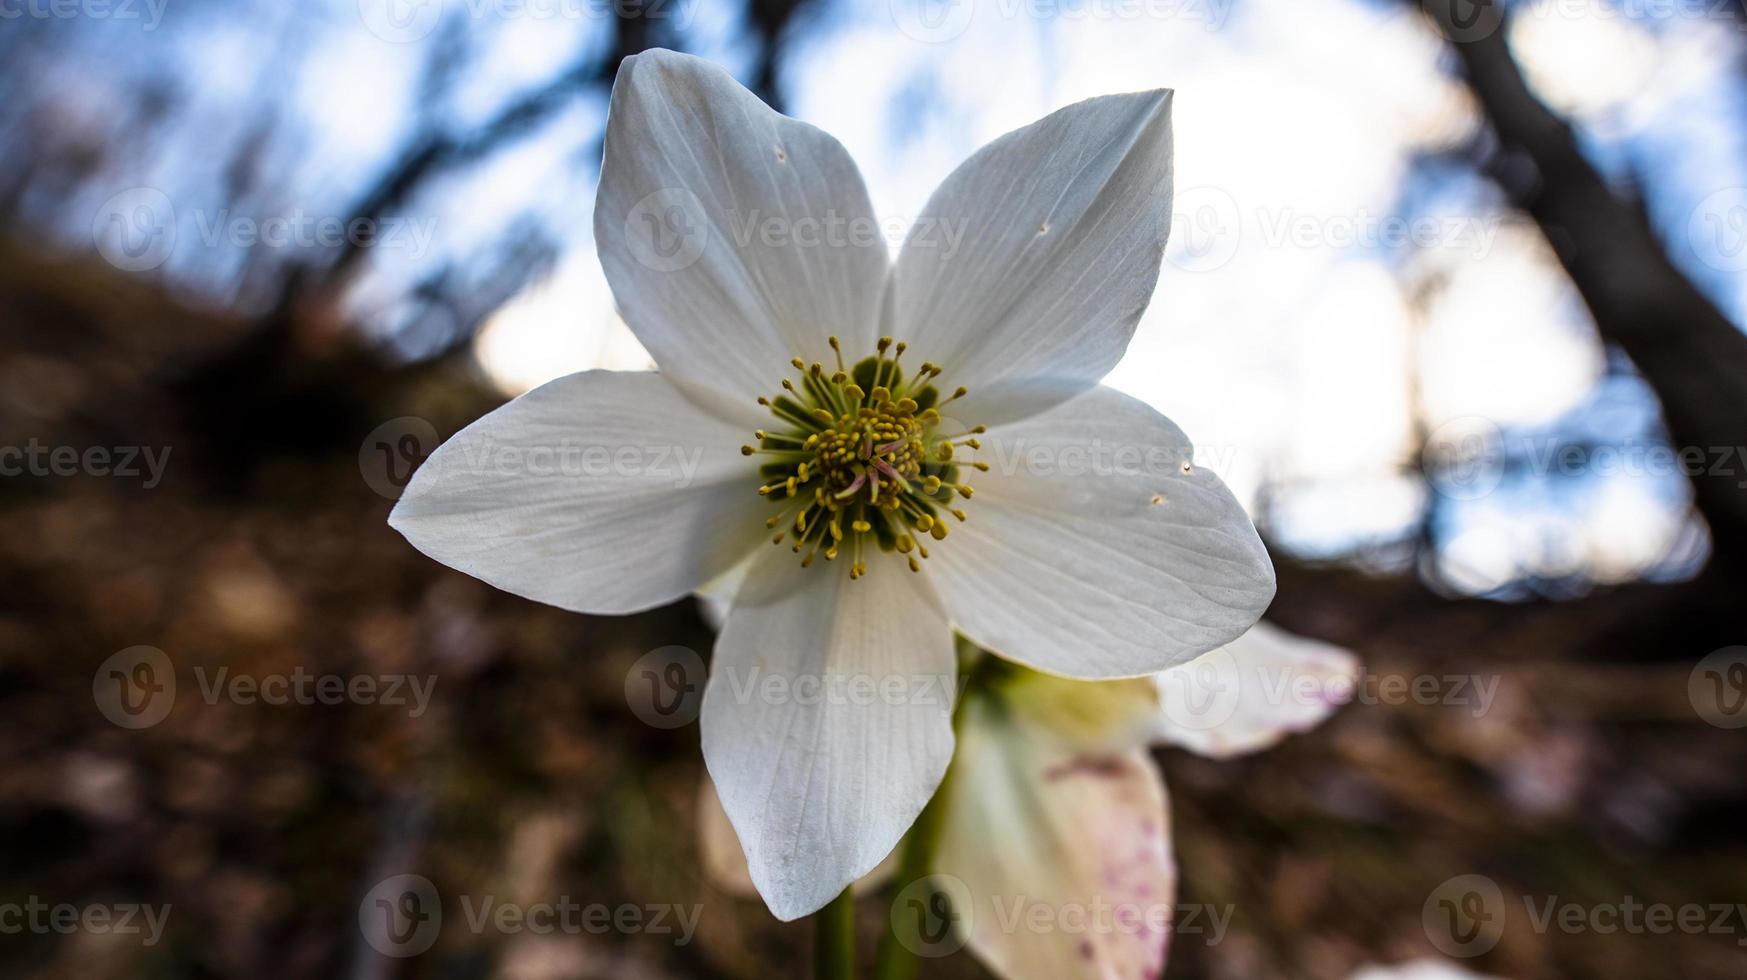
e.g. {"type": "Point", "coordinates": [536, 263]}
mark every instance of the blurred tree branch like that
{"type": "Point", "coordinates": [1691, 355]}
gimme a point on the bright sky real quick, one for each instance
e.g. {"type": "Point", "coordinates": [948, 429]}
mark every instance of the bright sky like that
{"type": "Point", "coordinates": [1290, 335]}
{"type": "Point", "coordinates": [1285, 336]}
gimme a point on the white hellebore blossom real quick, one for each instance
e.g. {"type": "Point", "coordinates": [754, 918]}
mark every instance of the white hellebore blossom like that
{"type": "Point", "coordinates": [737, 243]}
{"type": "Point", "coordinates": [1052, 837]}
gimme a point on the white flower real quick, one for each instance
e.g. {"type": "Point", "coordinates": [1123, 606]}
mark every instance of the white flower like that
{"type": "Point", "coordinates": [1055, 802]}
{"type": "Point", "coordinates": [742, 249]}
{"type": "Point", "coordinates": [1053, 826]}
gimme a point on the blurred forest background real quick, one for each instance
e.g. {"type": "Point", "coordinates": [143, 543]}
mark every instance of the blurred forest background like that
{"type": "Point", "coordinates": [1448, 283]}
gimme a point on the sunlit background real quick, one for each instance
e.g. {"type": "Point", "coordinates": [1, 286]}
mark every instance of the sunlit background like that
{"type": "Point", "coordinates": [1339, 283]}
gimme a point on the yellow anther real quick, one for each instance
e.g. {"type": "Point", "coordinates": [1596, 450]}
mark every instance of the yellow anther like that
{"type": "Point", "coordinates": [860, 451]}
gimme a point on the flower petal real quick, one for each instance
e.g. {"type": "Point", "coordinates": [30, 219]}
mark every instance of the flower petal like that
{"type": "Point", "coordinates": [600, 492]}
{"type": "Point", "coordinates": [734, 238]}
{"type": "Point", "coordinates": [827, 722]}
{"type": "Point", "coordinates": [725, 863]}
{"type": "Point", "coordinates": [1253, 692]}
{"type": "Point", "coordinates": [1035, 259]}
{"type": "Point", "coordinates": [1094, 548]}
{"type": "Point", "coordinates": [1065, 853]}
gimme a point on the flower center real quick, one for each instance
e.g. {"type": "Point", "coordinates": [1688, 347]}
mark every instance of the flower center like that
{"type": "Point", "coordinates": [859, 460]}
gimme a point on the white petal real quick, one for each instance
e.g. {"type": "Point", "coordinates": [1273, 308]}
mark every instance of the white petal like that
{"type": "Point", "coordinates": [1035, 259]}
{"type": "Point", "coordinates": [600, 492]}
{"type": "Point", "coordinates": [725, 863]}
{"type": "Point", "coordinates": [734, 238]}
{"type": "Point", "coordinates": [827, 721]}
{"type": "Point", "coordinates": [1091, 552]}
{"type": "Point", "coordinates": [1253, 692]}
{"type": "Point", "coordinates": [1065, 853]}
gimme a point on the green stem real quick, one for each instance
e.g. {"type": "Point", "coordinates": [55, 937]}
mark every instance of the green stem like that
{"type": "Point", "coordinates": [896, 960]}
{"type": "Point", "coordinates": [834, 943]}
